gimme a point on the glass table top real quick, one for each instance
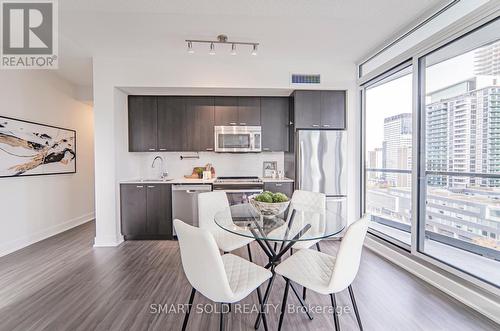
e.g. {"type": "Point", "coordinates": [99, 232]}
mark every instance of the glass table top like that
{"type": "Point", "coordinates": [298, 223]}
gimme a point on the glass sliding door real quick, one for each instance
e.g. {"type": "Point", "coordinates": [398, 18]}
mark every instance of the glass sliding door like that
{"type": "Point", "coordinates": [388, 154]}
{"type": "Point", "coordinates": [459, 212]}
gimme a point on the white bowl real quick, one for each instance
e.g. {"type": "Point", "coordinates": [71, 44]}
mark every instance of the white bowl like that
{"type": "Point", "coordinates": [269, 208]}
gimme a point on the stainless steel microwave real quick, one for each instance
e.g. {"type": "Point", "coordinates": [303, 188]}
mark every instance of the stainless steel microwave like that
{"type": "Point", "coordinates": [238, 139]}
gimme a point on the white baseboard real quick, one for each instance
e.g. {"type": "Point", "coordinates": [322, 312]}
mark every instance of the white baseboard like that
{"type": "Point", "coordinates": [468, 296]}
{"type": "Point", "coordinates": [108, 241]}
{"type": "Point", "coordinates": [16, 244]}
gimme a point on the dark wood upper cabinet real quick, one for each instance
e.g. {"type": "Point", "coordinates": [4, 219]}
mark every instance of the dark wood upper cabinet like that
{"type": "Point", "coordinates": [307, 109]}
{"type": "Point", "coordinates": [333, 106]}
{"type": "Point", "coordinates": [243, 111]}
{"type": "Point", "coordinates": [319, 109]}
{"type": "Point", "coordinates": [142, 123]}
{"type": "Point", "coordinates": [275, 123]}
{"type": "Point", "coordinates": [172, 121]}
{"type": "Point", "coordinates": [133, 209]}
{"type": "Point", "coordinates": [249, 111]}
{"type": "Point", "coordinates": [200, 112]}
{"type": "Point", "coordinates": [159, 210]}
{"type": "Point", "coordinates": [226, 111]}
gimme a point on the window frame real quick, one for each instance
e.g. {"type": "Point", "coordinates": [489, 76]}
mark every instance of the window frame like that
{"type": "Point", "coordinates": [473, 22]}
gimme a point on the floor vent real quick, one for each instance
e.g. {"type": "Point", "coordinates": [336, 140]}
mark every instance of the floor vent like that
{"type": "Point", "coordinates": [306, 79]}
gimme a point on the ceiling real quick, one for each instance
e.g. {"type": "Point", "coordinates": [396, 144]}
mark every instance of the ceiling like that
{"type": "Point", "coordinates": [323, 30]}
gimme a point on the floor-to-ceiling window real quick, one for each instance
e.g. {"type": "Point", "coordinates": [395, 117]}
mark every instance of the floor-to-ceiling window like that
{"type": "Point", "coordinates": [388, 149]}
{"type": "Point", "coordinates": [460, 220]}
{"type": "Point", "coordinates": [432, 154]}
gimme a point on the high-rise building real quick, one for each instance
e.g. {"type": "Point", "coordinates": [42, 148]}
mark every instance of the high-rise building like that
{"type": "Point", "coordinates": [397, 148]}
{"type": "Point", "coordinates": [487, 60]}
{"type": "Point", "coordinates": [463, 132]}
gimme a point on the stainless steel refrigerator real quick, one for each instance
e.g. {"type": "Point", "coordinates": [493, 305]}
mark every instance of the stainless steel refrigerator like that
{"type": "Point", "coordinates": [321, 166]}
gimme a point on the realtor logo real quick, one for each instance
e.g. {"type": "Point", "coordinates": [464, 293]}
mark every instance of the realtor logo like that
{"type": "Point", "coordinates": [29, 34]}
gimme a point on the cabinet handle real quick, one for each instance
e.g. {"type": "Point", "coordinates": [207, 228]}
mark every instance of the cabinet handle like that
{"type": "Point", "coordinates": [326, 125]}
{"type": "Point", "coordinates": [265, 148]}
{"type": "Point", "coordinates": [277, 184]}
{"type": "Point", "coordinates": [315, 125]}
{"type": "Point", "coordinates": [163, 149]}
{"type": "Point", "coordinates": [243, 123]}
{"type": "Point", "coordinates": [139, 186]}
{"type": "Point", "coordinates": [152, 149]}
{"type": "Point", "coordinates": [232, 123]}
{"type": "Point", "coordinates": [209, 149]}
{"type": "Point", "coordinates": [150, 186]}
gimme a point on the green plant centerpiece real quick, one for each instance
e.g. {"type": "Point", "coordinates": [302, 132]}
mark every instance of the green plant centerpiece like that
{"type": "Point", "coordinates": [270, 204]}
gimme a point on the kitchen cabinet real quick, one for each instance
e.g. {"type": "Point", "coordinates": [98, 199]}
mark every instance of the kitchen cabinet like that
{"type": "Point", "coordinates": [307, 109]}
{"type": "Point", "coordinates": [172, 122]}
{"type": "Point", "coordinates": [200, 112]}
{"type": "Point", "coordinates": [319, 109]}
{"type": "Point", "coordinates": [146, 211]}
{"type": "Point", "coordinates": [226, 111]}
{"type": "Point", "coordinates": [275, 123]}
{"type": "Point", "coordinates": [142, 123]}
{"type": "Point", "coordinates": [283, 187]}
{"type": "Point", "coordinates": [244, 111]}
{"type": "Point", "coordinates": [333, 106]}
{"type": "Point", "coordinates": [249, 111]}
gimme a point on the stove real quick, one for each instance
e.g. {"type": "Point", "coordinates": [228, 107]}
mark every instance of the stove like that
{"type": "Point", "coordinates": [238, 180]}
{"type": "Point", "coordinates": [238, 189]}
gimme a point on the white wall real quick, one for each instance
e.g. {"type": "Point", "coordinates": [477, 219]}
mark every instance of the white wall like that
{"type": "Point", "coordinates": [34, 208]}
{"type": "Point", "coordinates": [113, 162]}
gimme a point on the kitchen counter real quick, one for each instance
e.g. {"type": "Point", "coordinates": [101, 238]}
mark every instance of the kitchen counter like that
{"type": "Point", "coordinates": [183, 180]}
{"type": "Point", "coordinates": [168, 181]}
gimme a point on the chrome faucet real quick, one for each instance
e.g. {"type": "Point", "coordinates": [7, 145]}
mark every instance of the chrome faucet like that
{"type": "Point", "coordinates": [163, 172]}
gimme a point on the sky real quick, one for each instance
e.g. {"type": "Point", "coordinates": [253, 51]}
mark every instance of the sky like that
{"type": "Point", "coordinates": [395, 97]}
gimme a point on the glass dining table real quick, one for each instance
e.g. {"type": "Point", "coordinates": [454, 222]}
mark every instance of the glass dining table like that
{"type": "Point", "coordinates": [277, 234]}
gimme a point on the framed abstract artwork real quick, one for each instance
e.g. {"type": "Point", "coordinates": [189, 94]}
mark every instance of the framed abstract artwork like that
{"type": "Point", "coordinates": [31, 149]}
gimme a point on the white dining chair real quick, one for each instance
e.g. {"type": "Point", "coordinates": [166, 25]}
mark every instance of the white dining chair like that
{"type": "Point", "coordinates": [326, 274]}
{"type": "Point", "coordinates": [311, 205]}
{"type": "Point", "coordinates": [223, 279]}
{"type": "Point", "coordinates": [211, 203]}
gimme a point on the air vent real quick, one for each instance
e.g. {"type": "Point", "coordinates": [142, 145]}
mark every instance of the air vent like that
{"type": "Point", "coordinates": [306, 79]}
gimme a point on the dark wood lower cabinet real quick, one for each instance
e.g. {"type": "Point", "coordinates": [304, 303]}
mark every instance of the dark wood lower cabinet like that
{"type": "Point", "coordinates": [146, 211]}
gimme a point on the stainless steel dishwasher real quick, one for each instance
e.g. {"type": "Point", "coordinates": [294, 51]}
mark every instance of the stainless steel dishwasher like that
{"type": "Point", "coordinates": [185, 202]}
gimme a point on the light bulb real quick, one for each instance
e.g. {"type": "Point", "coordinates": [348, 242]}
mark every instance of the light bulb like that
{"type": "Point", "coordinates": [233, 49]}
{"type": "Point", "coordinates": [254, 51]}
{"type": "Point", "coordinates": [212, 49]}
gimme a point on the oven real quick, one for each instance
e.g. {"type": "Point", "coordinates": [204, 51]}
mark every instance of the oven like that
{"type": "Point", "coordinates": [238, 139]}
{"type": "Point", "coordinates": [239, 189]}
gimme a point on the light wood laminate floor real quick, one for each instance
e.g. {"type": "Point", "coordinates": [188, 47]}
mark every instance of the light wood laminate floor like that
{"type": "Point", "coordinates": [63, 283]}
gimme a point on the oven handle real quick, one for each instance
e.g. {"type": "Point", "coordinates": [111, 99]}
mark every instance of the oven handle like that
{"type": "Point", "coordinates": [242, 191]}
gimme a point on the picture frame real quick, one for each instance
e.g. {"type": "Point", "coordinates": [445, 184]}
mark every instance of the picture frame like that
{"type": "Point", "coordinates": [33, 149]}
{"type": "Point", "coordinates": [268, 167]}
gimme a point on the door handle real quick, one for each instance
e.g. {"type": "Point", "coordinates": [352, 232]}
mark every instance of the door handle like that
{"type": "Point", "coordinates": [139, 186]}
{"type": "Point", "coordinates": [209, 149]}
{"type": "Point", "coordinates": [315, 125]}
{"type": "Point", "coordinates": [152, 149]}
{"type": "Point", "coordinates": [150, 186]}
{"type": "Point", "coordinates": [163, 149]}
{"type": "Point", "coordinates": [232, 123]}
{"type": "Point", "coordinates": [326, 125]}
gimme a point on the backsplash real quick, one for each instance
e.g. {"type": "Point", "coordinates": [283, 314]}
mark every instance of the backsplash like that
{"type": "Point", "coordinates": [226, 164]}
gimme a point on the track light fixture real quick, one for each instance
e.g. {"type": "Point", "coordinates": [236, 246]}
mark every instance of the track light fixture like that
{"type": "Point", "coordinates": [221, 39]}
